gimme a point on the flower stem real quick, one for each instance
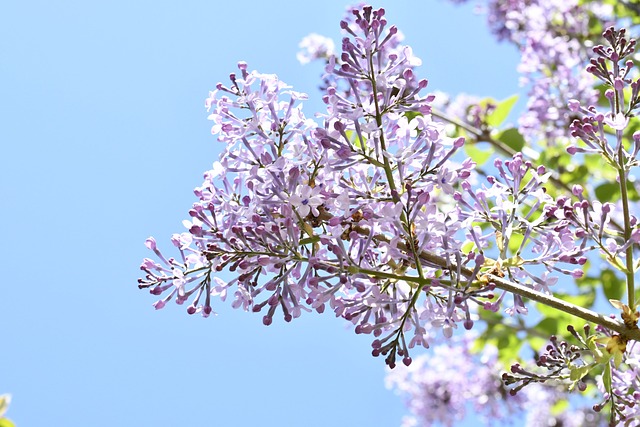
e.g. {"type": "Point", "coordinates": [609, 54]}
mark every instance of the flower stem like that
{"type": "Point", "coordinates": [622, 177]}
{"type": "Point", "coordinates": [515, 288]}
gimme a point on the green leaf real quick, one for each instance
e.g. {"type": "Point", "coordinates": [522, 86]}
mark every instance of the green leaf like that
{"type": "Point", "coordinates": [5, 422]}
{"type": "Point", "coordinates": [599, 168]}
{"type": "Point", "coordinates": [585, 300]}
{"type": "Point", "coordinates": [509, 345]}
{"type": "Point", "coordinates": [467, 246]}
{"type": "Point", "coordinates": [607, 192]}
{"type": "Point", "coordinates": [537, 343]}
{"type": "Point", "coordinates": [606, 377]}
{"type": "Point", "coordinates": [499, 335]}
{"type": "Point", "coordinates": [514, 244]}
{"type": "Point", "coordinates": [410, 115]}
{"type": "Point", "coordinates": [478, 154]}
{"type": "Point", "coordinates": [577, 174]}
{"type": "Point", "coordinates": [503, 108]}
{"type": "Point", "coordinates": [588, 283]}
{"type": "Point", "coordinates": [307, 240]}
{"type": "Point", "coordinates": [548, 325]}
{"type": "Point", "coordinates": [578, 372]}
{"type": "Point", "coordinates": [612, 286]}
{"type": "Point", "coordinates": [512, 138]}
{"type": "Point", "coordinates": [600, 354]}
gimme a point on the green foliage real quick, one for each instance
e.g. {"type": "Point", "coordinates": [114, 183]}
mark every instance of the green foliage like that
{"type": "Point", "coordinates": [410, 115]}
{"type": "Point", "coordinates": [608, 191]}
{"type": "Point", "coordinates": [621, 9]}
{"type": "Point", "coordinates": [512, 138]}
{"type": "Point", "coordinates": [500, 335]}
{"type": "Point", "coordinates": [501, 111]}
{"type": "Point", "coordinates": [577, 373]}
{"type": "Point", "coordinates": [477, 153]}
{"type": "Point", "coordinates": [549, 325]}
{"type": "Point", "coordinates": [612, 286]}
{"type": "Point", "coordinates": [555, 322]}
{"type": "Point", "coordinates": [515, 241]}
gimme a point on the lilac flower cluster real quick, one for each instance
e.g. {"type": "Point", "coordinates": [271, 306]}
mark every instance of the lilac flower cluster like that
{"type": "Point", "coordinates": [513, 214]}
{"type": "Point", "coordinates": [340, 215]}
{"type": "Point", "coordinates": [555, 363]}
{"type": "Point", "coordinates": [553, 39]}
{"type": "Point", "coordinates": [565, 363]}
{"type": "Point", "coordinates": [442, 386]}
{"type": "Point", "coordinates": [373, 214]}
{"type": "Point", "coordinates": [604, 133]}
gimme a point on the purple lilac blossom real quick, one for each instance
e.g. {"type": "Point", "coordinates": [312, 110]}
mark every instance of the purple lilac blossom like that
{"type": "Point", "coordinates": [366, 214]}
{"type": "Point", "coordinates": [626, 386]}
{"type": "Point", "coordinates": [440, 387]}
{"type": "Point", "coordinates": [443, 385]}
{"type": "Point", "coordinates": [590, 127]}
{"type": "Point", "coordinates": [549, 35]}
{"type": "Point", "coordinates": [336, 216]}
{"type": "Point", "coordinates": [505, 204]}
{"type": "Point", "coordinates": [553, 39]}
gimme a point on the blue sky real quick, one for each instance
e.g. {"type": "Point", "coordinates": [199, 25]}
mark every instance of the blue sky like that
{"type": "Point", "coordinates": [104, 135]}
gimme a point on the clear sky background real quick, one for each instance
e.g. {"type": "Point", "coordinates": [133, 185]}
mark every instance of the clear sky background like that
{"type": "Point", "coordinates": [103, 136]}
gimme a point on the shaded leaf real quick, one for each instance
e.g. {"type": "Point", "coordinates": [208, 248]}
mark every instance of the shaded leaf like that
{"type": "Point", "coordinates": [607, 192]}
{"type": "Point", "coordinates": [512, 138]}
{"type": "Point", "coordinates": [612, 286]}
{"type": "Point", "coordinates": [548, 326]}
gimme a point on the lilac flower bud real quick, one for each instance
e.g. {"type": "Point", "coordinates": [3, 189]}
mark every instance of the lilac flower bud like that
{"type": "Point", "coordinates": [577, 273]}
{"type": "Point", "coordinates": [151, 243]}
{"type": "Point", "coordinates": [574, 105]}
{"type": "Point", "coordinates": [572, 149]}
{"type": "Point", "coordinates": [468, 324]}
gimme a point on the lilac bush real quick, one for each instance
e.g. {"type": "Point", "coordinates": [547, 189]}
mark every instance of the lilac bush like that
{"type": "Point", "coordinates": [378, 214]}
